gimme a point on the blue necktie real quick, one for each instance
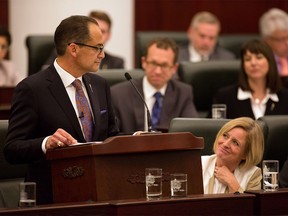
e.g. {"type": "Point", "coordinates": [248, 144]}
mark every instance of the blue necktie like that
{"type": "Point", "coordinates": [156, 111]}
{"type": "Point", "coordinates": [84, 111]}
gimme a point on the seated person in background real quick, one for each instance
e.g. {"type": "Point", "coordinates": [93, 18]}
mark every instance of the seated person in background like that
{"type": "Point", "coordinates": [9, 76]}
{"type": "Point", "coordinates": [175, 98]}
{"type": "Point", "coordinates": [283, 179]}
{"type": "Point", "coordinates": [259, 90]}
{"type": "Point", "coordinates": [203, 35]}
{"type": "Point", "coordinates": [274, 30]}
{"type": "Point", "coordinates": [238, 148]}
{"type": "Point", "coordinates": [105, 24]}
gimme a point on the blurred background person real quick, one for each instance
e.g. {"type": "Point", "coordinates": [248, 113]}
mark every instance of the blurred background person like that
{"type": "Point", "coordinates": [274, 30]}
{"type": "Point", "coordinates": [238, 148]}
{"type": "Point", "coordinates": [9, 76]}
{"type": "Point", "coordinates": [259, 91]}
{"type": "Point", "coordinates": [203, 35]}
{"type": "Point", "coordinates": [105, 23]}
{"type": "Point", "coordinates": [166, 98]}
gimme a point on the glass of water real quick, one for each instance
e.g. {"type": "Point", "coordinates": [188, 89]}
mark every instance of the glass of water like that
{"type": "Point", "coordinates": [219, 111]}
{"type": "Point", "coordinates": [270, 169]}
{"type": "Point", "coordinates": [153, 179]}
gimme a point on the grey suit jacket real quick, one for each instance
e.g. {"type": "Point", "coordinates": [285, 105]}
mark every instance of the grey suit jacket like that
{"type": "Point", "coordinates": [129, 108]}
{"type": "Point", "coordinates": [218, 54]}
{"type": "Point", "coordinates": [40, 106]}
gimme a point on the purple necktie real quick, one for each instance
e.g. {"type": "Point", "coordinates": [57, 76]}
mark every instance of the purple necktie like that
{"type": "Point", "coordinates": [156, 111]}
{"type": "Point", "coordinates": [84, 111]}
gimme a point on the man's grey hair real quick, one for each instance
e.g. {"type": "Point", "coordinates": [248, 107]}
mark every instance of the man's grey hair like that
{"type": "Point", "coordinates": [204, 17]}
{"type": "Point", "coordinates": [274, 19]}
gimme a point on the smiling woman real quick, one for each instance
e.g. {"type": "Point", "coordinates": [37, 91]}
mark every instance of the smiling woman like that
{"type": "Point", "coordinates": [238, 148]}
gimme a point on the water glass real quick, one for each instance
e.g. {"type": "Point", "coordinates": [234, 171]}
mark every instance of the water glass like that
{"type": "Point", "coordinates": [27, 194]}
{"type": "Point", "coordinates": [270, 170]}
{"type": "Point", "coordinates": [153, 179]}
{"type": "Point", "coordinates": [178, 185]}
{"type": "Point", "coordinates": [219, 111]}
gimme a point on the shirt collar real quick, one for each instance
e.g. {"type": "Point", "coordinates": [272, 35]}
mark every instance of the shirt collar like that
{"type": "Point", "coordinates": [244, 95]}
{"type": "Point", "coordinates": [65, 76]}
{"type": "Point", "coordinates": [149, 90]}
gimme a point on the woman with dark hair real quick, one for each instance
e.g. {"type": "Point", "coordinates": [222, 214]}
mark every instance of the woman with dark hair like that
{"type": "Point", "coordinates": [259, 91]}
{"type": "Point", "coordinates": [8, 74]}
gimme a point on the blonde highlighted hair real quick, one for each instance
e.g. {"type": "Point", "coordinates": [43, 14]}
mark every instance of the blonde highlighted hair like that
{"type": "Point", "coordinates": [254, 139]}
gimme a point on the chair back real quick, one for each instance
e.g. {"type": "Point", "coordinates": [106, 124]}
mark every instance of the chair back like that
{"type": "Point", "coordinates": [200, 127]}
{"type": "Point", "coordinates": [8, 171]}
{"type": "Point", "coordinates": [39, 49]}
{"type": "Point", "coordinates": [276, 146]}
{"type": "Point", "coordinates": [234, 42]}
{"type": "Point", "coordinates": [206, 78]}
{"type": "Point", "coordinates": [114, 76]}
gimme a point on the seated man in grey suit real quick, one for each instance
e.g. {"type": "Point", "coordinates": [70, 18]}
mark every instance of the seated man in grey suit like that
{"type": "Point", "coordinates": [203, 35]}
{"type": "Point", "coordinates": [175, 98]}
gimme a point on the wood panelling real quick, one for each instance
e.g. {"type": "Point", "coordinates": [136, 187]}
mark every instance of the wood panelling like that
{"type": "Point", "coordinates": [236, 16]}
{"type": "Point", "coordinates": [4, 13]}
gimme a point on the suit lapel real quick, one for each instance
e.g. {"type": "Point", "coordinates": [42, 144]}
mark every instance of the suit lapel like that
{"type": "Point", "coordinates": [167, 110]}
{"type": "Point", "coordinates": [59, 92]}
{"type": "Point", "coordinates": [138, 104]}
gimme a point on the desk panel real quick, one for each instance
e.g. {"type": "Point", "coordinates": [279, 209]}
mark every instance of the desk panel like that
{"type": "Point", "coordinates": [271, 203]}
{"type": "Point", "coordinates": [228, 204]}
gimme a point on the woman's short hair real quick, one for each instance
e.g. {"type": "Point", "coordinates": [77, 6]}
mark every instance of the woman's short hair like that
{"type": "Point", "coordinates": [254, 139]}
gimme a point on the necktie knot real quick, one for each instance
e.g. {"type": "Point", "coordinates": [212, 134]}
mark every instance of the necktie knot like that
{"type": "Point", "coordinates": [157, 96]}
{"type": "Point", "coordinates": [77, 84]}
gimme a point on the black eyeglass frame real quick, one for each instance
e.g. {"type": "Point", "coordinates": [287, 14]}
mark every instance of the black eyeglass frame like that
{"type": "Point", "coordinates": [98, 48]}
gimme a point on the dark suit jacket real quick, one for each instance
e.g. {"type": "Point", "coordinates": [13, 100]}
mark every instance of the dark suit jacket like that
{"type": "Point", "coordinates": [129, 108]}
{"type": "Point", "coordinates": [40, 106]}
{"type": "Point", "coordinates": [218, 54]}
{"type": "Point", "coordinates": [238, 108]}
{"type": "Point", "coordinates": [111, 62]}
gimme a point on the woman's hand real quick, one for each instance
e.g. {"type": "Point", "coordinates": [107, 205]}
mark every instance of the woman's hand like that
{"type": "Point", "coordinates": [225, 176]}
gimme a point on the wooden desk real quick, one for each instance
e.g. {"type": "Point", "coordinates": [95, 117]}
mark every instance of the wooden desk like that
{"type": "Point", "coordinates": [271, 203]}
{"type": "Point", "coordinates": [228, 204]}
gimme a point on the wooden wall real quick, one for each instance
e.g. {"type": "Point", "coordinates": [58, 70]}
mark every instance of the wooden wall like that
{"type": "Point", "coordinates": [4, 13]}
{"type": "Point", "coordinates": [236, 16]}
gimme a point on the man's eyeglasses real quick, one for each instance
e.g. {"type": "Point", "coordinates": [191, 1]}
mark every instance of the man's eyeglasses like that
{"type": "Point", "coordinates": [153, 65]}
{"type": "Point", "coordinates": [280, 39]}
{"type": "Point", "coordinates": [99, 48]}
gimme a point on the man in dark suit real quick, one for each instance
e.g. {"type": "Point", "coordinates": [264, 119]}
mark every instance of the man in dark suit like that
{"type": "Point", "coordinates": [160, 64]}
{"type": "Point", "coordinates": [45, 113]}
{"type": "Point", "coordinates": [105, 23]}
{"type": "Point", "coordinates": [203, 35]}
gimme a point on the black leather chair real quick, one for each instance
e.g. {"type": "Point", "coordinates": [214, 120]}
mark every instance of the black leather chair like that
{"type": "Point", "coordinates": [276, 147]}
{"type": "Point", "coordinates": [10, 175]}
{"type": "Point", "coordinates": [200, 127]}
{"type": "Point", "coordinates": [234, 42]}
{"type": "Point", "coordinates": [39, 49]}
{"type": "Point", "coordinates": [114, 76]}
{"type": "Point", "coordinates": [206, 78]}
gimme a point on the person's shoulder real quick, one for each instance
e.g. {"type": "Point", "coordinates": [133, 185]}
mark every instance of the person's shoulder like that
{"type": "Point", "coordinates": [223, 54]}
{"type": "Point", "coordinates": [179, 84]}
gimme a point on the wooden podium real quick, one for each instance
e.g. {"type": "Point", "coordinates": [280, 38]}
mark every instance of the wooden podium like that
{"type": "Point", "coordinates": [115, 169]}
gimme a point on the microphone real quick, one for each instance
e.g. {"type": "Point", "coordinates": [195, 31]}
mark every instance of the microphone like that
{"type": "Point", "coordinates": [149, 121]}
